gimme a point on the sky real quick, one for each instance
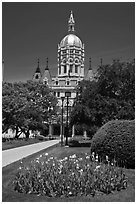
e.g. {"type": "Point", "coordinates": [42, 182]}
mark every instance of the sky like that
{"type": "Point", "coordinates": [33, 30]}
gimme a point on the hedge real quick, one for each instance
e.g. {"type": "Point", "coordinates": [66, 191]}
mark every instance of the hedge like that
{"type": "Point", "coordinates": [116, 139]}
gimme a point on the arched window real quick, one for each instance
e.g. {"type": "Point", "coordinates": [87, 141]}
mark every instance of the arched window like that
{"type": "Point", "coordinates": [71, 60]}
{"type": "Point", "coordinates": [76, 61]}
{"type": "Point", "coordinates": [57, 83]}
{"type": "Point", "coordinates": [68, 83]}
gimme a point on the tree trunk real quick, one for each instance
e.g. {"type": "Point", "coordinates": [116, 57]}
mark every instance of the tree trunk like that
{"type": "Point", "coordinates": [27, 134]}
{"type": "Point", "coordinates": [17, 130]}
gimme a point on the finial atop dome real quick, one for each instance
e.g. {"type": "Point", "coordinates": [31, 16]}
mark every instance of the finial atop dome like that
{"type": "Point", "coordinates": [71, 23]}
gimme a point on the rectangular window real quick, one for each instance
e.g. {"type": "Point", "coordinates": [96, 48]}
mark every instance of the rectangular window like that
{"type": "Point", "coordinates": [76, 69]}
{"type": "Point", "coordinates": [71, 66]}
{"type": "Point", "coordinates": [65, 69]}
{"type": "Point", "coordinates": [59, 70]}
{"type": "Point", "coordinates": [68, 94]}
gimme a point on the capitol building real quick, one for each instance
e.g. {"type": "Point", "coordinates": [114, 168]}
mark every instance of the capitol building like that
{"type": "Point", "coordinates": [70, 69]}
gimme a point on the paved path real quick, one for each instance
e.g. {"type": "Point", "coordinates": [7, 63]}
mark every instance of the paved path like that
{"type": "Point", "coordinates": [11, 155]}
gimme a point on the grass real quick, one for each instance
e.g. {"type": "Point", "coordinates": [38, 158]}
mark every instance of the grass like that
{"type": "Point", "coordinates": [8, 174]}
{"type": "Point", "coordinates": [12, 143]}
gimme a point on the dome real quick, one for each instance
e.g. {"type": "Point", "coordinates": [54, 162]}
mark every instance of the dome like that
{"type": "Point", "coordinates": [71, 40]}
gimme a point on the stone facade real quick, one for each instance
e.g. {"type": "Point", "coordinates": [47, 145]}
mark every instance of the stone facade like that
{"type": "Point", "coordinates": [70, 70]}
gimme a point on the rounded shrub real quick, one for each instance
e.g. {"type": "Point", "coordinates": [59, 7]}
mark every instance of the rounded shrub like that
{"type": "Point", "coordinates": [116, 139]}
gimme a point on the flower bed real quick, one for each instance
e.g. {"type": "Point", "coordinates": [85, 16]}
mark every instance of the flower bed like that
{"type": "Point", "coordinates": [70, 176]}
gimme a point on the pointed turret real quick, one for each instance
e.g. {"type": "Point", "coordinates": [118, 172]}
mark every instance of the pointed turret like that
{"type": "Point", "coordinates": [71, 23]}
{"type": "Point", "coordinates": [46, 78]}
{"type": "Point", "coordinates": [90, 75]}
{"type": "Point", "coordinates": [37, 74]}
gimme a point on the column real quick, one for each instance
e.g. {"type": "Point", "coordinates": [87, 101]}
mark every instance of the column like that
{"type": "Point", "coordinates": [73, 131]}
{"type": "Point", "coordinates": [85, 134]}
{"type": "Point", "coordinates": [61, 134]}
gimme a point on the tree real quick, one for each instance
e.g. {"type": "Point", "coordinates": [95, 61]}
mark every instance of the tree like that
{"type": "Point", "coordinates": [111, 96]}
{"type": "Point", "coordinates": [25, 106]}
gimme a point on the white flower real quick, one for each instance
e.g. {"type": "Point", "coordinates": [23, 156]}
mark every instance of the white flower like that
{"type": "Point", "coordinates": [97, 167]}
{"type": "Point", "coordinates": [81, 171]}
{"type": "Point", "coordinates": [106, 158]}
{"type": "Point", "coordinates": [46, 154]}
{"type": "Point", "coordinates": [70, 193]}
{"type": "Point", "coordinates": [87, 157]}
{"type": "Point", "coordinates": [93, 154]}
{"type": "Point", "coordinates": [77, 166]}
{"type": "Point", "coordinates": [73, 156]}
{"type": "Point", "coordinates": [42, 163]}
{"type": "Point", "coordinates": [61, 166]}
{"type": "Point", "coordinates": [80, 159]}
{"type": "Point", "coordinates": [97, 158]}
{"type": "Point", "coordinates": [20, 167]}
{"type": "Point", "coordinates": [40, 156]}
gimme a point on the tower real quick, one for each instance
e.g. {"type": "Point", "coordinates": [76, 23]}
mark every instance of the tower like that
{"type": "Point", "coordinates": [90, 75]}
{"type": "Point", "coordinates": [46, 78]}
{"type": "Point", "coordinates": [71, 53]}
{"type": "Point", "coordinates": [37, 74]}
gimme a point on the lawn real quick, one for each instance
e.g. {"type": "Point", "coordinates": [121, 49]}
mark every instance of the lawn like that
{"type": "Point", "coordinates": [8, 174]}
{"type": "Point", "coordinates": [13, 143]}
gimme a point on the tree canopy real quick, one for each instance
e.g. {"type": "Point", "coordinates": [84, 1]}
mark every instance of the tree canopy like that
{"type": "Point", "coordinates": [110, 96]}
{"type": "Point", "coordinates": [26, 106]}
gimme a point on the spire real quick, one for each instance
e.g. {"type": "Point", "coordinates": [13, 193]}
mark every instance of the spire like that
{"type": "Point", "coordinates": [47, 64]}
{"type": "Point", "coordinates": [37, 74]}
{"type": "Point", "coordinates": [46, 78]}
{"type": "Point", "coordinates": [38, 69]}
{"type": "Point", "coordinates": [90, 68]}
{"type": "Point", "coordinates": [71, 23]}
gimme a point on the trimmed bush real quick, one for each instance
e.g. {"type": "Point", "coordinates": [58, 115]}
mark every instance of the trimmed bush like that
{"type": "Point", "coordinates": [116, 139]}
{"type": "Point", "coordinates": [79, 142]}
